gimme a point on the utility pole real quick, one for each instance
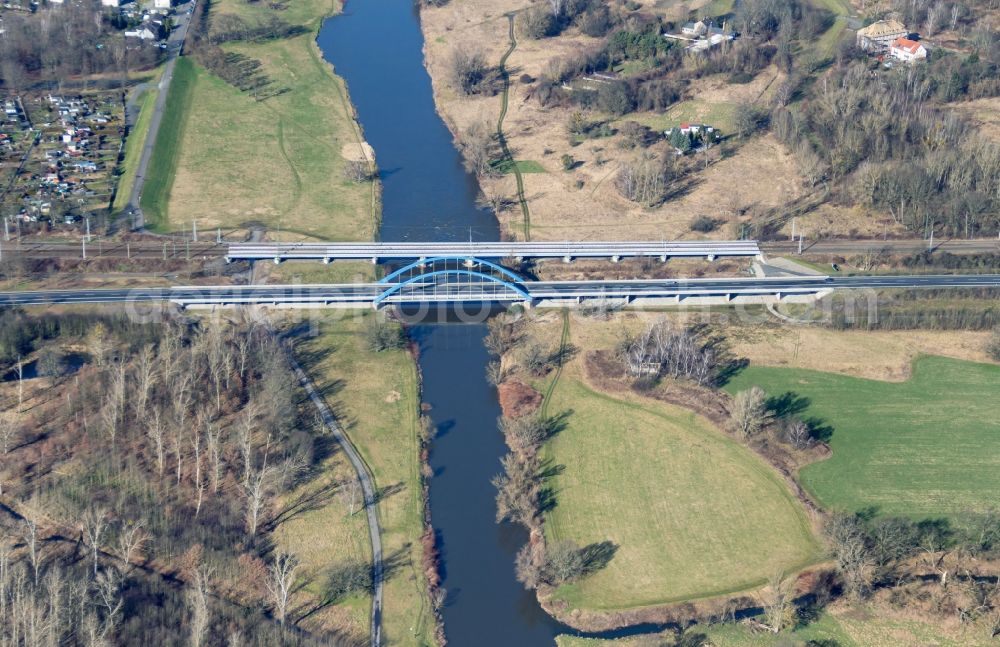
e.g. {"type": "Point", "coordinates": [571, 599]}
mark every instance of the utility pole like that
{"type": "Point", "coordinates": [793, 227]}
{"type": "Point", "coordinates": [218, 235]}
{"type": "Point", "coordinates": [128, 250]}
{"type": "Point", "coordinates": [930, 241]}
{"type": "Point", "coordinates": [800, 244]}
{"type": "Point", "coordinates": [83, 242]}
{"type": "Point", "coordinates": [6, 228]}
{"type": "Point", "coordinates": [88, 229]}
{"type": "Point", "coordinates": [194, 230]}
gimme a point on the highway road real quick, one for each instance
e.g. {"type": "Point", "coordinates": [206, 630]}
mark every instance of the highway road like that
{"type": "Point", "coordinates": [364, 294]}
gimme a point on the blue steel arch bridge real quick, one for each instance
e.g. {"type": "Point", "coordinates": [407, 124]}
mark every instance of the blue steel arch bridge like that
{"type": "Point", "coordinates": [451, 279]}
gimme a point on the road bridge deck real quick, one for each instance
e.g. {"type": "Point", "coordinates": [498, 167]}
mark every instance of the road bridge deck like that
{"type": "Point", "coordinates": [469, 291]}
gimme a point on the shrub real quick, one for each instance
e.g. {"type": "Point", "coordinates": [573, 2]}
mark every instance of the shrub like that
{"type": "Point", "coordinates": [537, 22]}
{"type": "Point", "coordinates": [644, 181]}
{"type": "Point", "coordinates": [384, 336]}
{"type": "Point", "coordinates": [527, 79]}
{"type": "Point", "coordinates": [468, 71]}
{"type": "Point", "coordinates": [616, 98]}
{"type": "Point", "coordinates": [704, 224]}
{"type": "Point", "coordinates": [567, 162]}
{"type": "Point", "coordinates": [595, 22]}
{"type": "Point", "coordinates": [993, 346]}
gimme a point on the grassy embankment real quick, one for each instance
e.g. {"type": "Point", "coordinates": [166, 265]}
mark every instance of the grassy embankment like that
{"type": "Point", "coordinates": [166, 152]}
{"type": "Point", "coordinates": [374, 395]}
{"type": "Point", "coordinates": [924, 447]}
{"type": "Point", "coordinates": [277, 162]}
{"type": "Point", "coordinates": [693, 513]}
{"type": "Point", "coordinates": [846, 629]}
{"type": "Point", "coordinates": [133, 149]}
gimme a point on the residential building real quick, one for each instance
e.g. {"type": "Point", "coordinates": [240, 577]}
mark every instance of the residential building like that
{"type": "Point", "coordinates": [162, 4]}
{"type": "Point", "coordinates": [111, 3]}
{"type": "Point", "coordinates": [907, 50]}
{"type": "Point", "coordinates": [694, 29]}
{"type": "Point", "coordinates": [144, 33]}
{"type": "Point", "coordinates": [879, 35]}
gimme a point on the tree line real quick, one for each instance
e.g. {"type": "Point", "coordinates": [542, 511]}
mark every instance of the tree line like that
{"type": "Point", "coordinates": [54, 44]}
{"type": "Point", "coordinates": [174, 458]}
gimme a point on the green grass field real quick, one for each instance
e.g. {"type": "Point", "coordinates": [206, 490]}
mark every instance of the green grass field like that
{"type": "Point", "coordinates": [925, 447]}
{"type": "Point", "coordinates": [525, 166]}
{"type": "Point", "coordinates": [376, 398]}
{"type": "Point", "coordinates": [133, 150]}
{"type": "Point", "coordinates": [276, 162]}
{"type": "Point", "coordinates": [693, 513]}
{"type": "Point", "coordinates": [166, 153]}
{"type": "Point", "coordinates": [721, 115]}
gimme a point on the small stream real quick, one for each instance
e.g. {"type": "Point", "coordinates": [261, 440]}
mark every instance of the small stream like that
{"type": "Point", "coordinates": [377, 46]}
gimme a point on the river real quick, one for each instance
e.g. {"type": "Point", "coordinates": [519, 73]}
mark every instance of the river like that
{"type": "Point", "coordinates": [377, 46]}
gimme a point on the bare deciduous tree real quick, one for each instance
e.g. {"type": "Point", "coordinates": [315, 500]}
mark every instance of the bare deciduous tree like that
{"type": "Point", "coordinates": [749, 412]}
{"type": "Point", "coordinates": [155, 432]}
{"type": "Point", "coordinates": [196, 596]}
{"type": "Point", "coordinates": [9, 430]}
{"type": "Point", "coordinates": [279, 583]}
{"type": "Point", "coordinates": [777, 602]}
{"type": "Point", "coordinates": [95, 523]}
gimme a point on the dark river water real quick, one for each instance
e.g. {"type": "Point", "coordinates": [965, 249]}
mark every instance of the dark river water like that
{"type": "Point", "coordinates": [377, 46]}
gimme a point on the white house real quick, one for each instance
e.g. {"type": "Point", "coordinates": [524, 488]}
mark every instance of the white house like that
{"type": "Point", "coordinates": [907, 50]}
{"type": "Point", "coordinates": [880, 34]}
{"type": "Point", "coordinates": [694, 29]}
{"type": "Point", "coordinates": [111, 3]}
{"type": "Point", "coordinates": [144, 34]}
{"type": "Point", "coordinates": [161, 4]}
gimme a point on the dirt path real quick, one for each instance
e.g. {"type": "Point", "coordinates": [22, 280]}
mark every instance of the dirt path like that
{"type": "Point", "coordinates": [525, 213]}
{"type": "Point", "coordinates": [367, 490]}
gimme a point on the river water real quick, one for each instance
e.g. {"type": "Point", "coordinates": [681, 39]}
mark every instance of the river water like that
{"type": "Point", "coordinates": [377, 47]}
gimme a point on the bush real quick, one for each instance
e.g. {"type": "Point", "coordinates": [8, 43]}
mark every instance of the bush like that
{"type": "Point", "coordinates": [537, 22]}
{"type": "Point", "coordinates": [595, 22]}
{"type": "Point", "coordinates": [384, 336]}
{"type": "Point", "coordinates": [704, 224]}
{"type": "Point", "coordinates": [644, 181]}
{"type": "Point", "coordinates": [616, 98]}
{"type": "Point", "coordinates": [527, 79]}
{"type": "Point", "coordinates": [993, 346]}
{"type": "Point", "coordinates": [567, 162]}
{"type": "Point", "coordinates": [468, 71]}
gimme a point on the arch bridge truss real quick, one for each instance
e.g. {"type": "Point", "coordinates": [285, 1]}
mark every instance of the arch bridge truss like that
{"type": "Point", "coordinates": [452, 279]}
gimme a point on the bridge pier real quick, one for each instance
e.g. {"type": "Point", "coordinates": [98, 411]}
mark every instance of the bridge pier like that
{"type": "Point", "coordinates": [229, 260]}
{"type": "Point", "coordinates": [567, 259]}
{"type": "Point", "coordinates": [711, 258]}
{"type": "Point", "coordinates": [616, 258]}
{"type": "Point", "coordinates": [277, 260]}
{"type": "Point", "coordinates": [374, 260]}
{"type": "Point", "coordinates": [326, 260]}
{"type": "Point", "coordinates": [663, 258]}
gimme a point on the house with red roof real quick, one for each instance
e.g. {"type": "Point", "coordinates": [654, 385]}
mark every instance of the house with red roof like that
{"type": "Point", "coordinates": [907, 50]}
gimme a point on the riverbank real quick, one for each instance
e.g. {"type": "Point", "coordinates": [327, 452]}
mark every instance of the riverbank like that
{"type": "Point", "coordinates": [636, 471]}
{"type": "Point", "coordinates": [612, 481]}
{"type": "Point", "coordinates": [736, 178]}
{"type": "Point", "coordinates": [375, 396]}
{"type": "Point", "coordinates": [277, 157]}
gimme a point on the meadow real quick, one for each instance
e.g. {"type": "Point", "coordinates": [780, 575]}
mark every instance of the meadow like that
{"type": "Point", "coordinates": [375, 397]}
{"type": "Point", "coordinates": [693, 513]}
{"type": "Point", "coordinates": [275, 162]}
{"type": "Point", "coordinates": [929, 446]}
